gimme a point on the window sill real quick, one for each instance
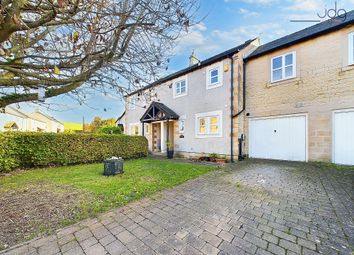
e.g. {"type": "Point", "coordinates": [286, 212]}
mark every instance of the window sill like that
{"type": "Point", "coordinates": [208, 136]}
{"type": "Point", "coordinates": [214, 86]}
{"type": "Point", "coordinates": [284, 82]}
{"type": "Point", "coordinates": [177, 96]}
{"type": "Point", "coordinates": [347, 68]}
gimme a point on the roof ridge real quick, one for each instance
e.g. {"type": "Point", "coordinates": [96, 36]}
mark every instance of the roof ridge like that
{"type": "Point", "coordinates": [192, 68]}
{"type": "Point", "coordinates": [305, 34]}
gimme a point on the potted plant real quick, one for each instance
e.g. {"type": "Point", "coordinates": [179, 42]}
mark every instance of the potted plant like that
{"type": "Point", "coordinates": [220, 160]}
{"type": "Point", "coordinates": [213, 157]}
{"type": "Point", "coordinates": [170, 150]}
{"type": "Point", "coordinates": [217, 159]}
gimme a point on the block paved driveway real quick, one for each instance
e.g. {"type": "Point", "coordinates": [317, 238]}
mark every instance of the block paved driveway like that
{"type": "Point", "coordinates": [256, 207]}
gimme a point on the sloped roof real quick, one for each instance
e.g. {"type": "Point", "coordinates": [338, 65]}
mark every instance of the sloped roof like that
{"type": "Point", "coordinates": [158, 111]}
{"type": "Point", "coordinates": [192, 68]}
{"type": "Point", "coordinates": [120, 117]}
{"type": "Point", "coordinates": [304, 35]}
{"type": "Point", "coordinates": [47, 116]}
{"type": "Point", "coordinates": [17, 112]}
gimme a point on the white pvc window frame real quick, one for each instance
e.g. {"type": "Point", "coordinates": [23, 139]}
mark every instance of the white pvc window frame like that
{"type": "Point", "coordinates": [135, 125]}
{"type": "Point", "coordinates": [177, 87]}
{"type": "Point", "coordinates": [351, 48]}
{"type": "Point", "coordinates": [209, 77]}
{"type": "Point", "coordinates": [207, 116]}
{"type": "Point", "coordinates": [283, 67]}
{"type": "Point", "coordinates": [132, 102]}
{"type": "Point", "coordinates": [182, 125]}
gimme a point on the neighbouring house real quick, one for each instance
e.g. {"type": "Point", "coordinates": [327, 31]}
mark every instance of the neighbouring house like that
{"type": "Point", "coordinates": [290, 99]}
{"type": "Point", "coordinates": [120, 122]}
{"type": "Point", "coordinates": [190, 109]}
{"type": "Point", "coordinates": [300, 95]}
{"type": "Point", "coordinates": [52, 125]}
{"type": "Point", "coordinates": [12, 119]}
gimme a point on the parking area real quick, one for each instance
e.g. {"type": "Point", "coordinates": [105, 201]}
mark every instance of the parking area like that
{"type": "Point", "coordinates": [254, 207]}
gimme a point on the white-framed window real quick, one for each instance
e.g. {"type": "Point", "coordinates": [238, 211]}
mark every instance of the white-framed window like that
{"type": "Point", "coordinates": [208, 124]}
{"type": "Point", "coordinates": [283, 67]}
{"type": "Point", "coordinates": [131, 102]}
{"type": "Point", "coordinates": [180, 88]}
{"type": "Point", "coordinates": [181, 125]}
{"type": "Point", "coordinates": [135, 129]}
{"type": "Point", "coordinates": [351, 49]}
{"type": "Point", "coordinates": [146, 128]}
{"type": "Point", "coordinates": [214, 76]}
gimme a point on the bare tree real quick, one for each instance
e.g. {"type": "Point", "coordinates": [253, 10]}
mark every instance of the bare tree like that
{"type": "Point", "coordinates": [57, 46]}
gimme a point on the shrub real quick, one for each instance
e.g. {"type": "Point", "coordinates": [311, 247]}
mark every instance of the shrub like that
{"type": "Point", "coordinates": [25, 150]}
{"type": "Point", "coordinates": [109, 130]}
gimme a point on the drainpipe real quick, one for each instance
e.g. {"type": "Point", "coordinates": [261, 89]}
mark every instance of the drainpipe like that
{"type": "Point", "coordinates": [241, 139]}
{"type": "Point", "coordinates": [232, 110]}
{"type": "Point", "coordinates": [243, 92]}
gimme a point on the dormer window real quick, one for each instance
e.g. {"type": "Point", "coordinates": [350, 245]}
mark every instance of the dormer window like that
{"type": "Point", "coordinates": [180, 88]}
{"type": "Point", "coordinates": [351, 49]}
{"type": "Point", "coordinates": [283, 67]}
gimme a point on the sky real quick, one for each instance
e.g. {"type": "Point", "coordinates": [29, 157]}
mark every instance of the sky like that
{"type": "Point", "coordinates": [223, 24]}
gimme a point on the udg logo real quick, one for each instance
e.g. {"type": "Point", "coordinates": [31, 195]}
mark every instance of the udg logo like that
{"type": "Point", "coordinates": [334, 13]}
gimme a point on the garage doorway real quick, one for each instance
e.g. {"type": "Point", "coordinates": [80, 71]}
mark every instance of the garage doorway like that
{"type": "Point", "coordinates": [279, 137]}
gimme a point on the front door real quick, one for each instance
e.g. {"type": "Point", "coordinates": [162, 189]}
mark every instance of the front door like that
{"type": "Point", "coordinates": [156, 137]}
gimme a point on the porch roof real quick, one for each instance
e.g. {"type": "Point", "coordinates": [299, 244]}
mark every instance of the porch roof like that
{"type": "Point", "coordinates": [157, 112]}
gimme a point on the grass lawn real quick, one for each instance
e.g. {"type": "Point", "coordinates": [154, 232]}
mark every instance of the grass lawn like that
{"type": "Point", "coordinates": [41, 200]}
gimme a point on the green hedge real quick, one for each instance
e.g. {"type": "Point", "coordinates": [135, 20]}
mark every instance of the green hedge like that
{"type": "Point", "coordinates": [25, 150]}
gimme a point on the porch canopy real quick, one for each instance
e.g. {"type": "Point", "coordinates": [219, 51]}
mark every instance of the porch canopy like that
{"type": "Point", "coordinates": [158, 112]}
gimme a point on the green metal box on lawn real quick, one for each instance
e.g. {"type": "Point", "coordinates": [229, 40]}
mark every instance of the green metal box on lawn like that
{"type": "Point", "coordinates": [113, 166]}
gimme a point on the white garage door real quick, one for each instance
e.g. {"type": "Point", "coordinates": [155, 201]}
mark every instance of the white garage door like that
{"type": "Point", "coordinates": [282, 138]}
{"type": "Point", "coordinates": [343, 138]}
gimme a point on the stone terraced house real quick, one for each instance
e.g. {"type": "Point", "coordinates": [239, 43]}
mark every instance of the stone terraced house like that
{"type": "Point", "coordinates": [289, 99]}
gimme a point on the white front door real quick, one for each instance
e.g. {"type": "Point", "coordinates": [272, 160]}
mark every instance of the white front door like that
{"type": "Point", "coordinates": [343, 137]}
{"type": "Point", "coordinates": [281, 137]}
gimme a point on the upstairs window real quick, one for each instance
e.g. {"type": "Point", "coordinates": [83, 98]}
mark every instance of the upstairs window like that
{"type": "Point", "coordinates": [283, 67]}
{"type": "Point", "coordinates": [351, 49]}
{"type": "Point", "coordinates": [214, 77]}
{"type": "Point", "coordinates": [131, 103]}
{"type": "Point", "coordinates": [180, 88]}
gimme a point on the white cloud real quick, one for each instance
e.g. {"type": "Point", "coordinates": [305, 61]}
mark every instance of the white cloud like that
{"type": "Point", "coordinates": [201, 26]}
{"type": "Point", "coordinates": [248, 13]}
{"type": "Point", "coordinates": [196, 39]}
{"type": "Point", "coordinates": [257, 2]}
{"type": "Point", "coordinates": [306, 5]}
{"type": "Point", "coordinates": [267, 31]}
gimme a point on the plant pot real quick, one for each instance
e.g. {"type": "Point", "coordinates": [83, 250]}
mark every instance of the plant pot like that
{"type": "Point", "coordinates": [170, 154]}
{"type": "Point", "coordinates": [220, 161]}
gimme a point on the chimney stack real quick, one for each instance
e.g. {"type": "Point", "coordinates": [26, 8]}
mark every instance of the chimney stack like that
{"type": "Point", "coordinates": [193, 59]}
